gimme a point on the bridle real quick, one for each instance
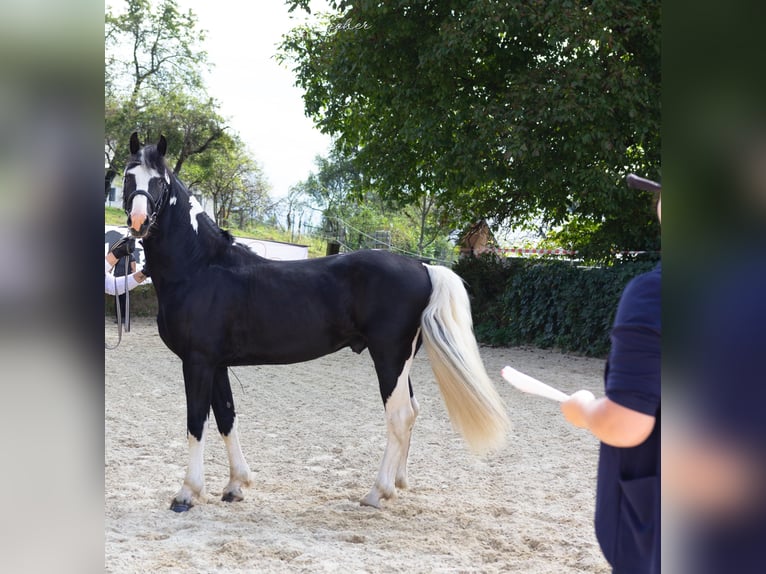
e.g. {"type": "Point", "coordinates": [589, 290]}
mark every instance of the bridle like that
{"type": "Point", "coordinates": [154, 208]}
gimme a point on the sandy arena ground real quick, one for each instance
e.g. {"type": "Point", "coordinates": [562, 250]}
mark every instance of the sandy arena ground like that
{"type": "Point", "coordinates": [313, 434]}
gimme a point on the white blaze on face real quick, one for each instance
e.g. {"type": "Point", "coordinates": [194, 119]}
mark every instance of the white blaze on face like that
{"type": "Point", "coordinates": [139, 212]}
{"type": "Point", "coordinates": [139, 209]}
{"type": "Point", "coordinates": [194, 211]}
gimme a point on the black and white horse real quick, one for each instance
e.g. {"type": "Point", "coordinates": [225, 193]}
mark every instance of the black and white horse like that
{"type": "Point", "coordinates": [222, 305]}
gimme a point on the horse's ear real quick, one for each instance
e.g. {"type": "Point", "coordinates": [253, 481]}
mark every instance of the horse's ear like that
{"type": "Point", "coordinates": [135, 145]}
{"type": "Point", "coordinates": [162, 145]}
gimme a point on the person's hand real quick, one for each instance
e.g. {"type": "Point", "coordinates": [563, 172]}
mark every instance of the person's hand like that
{"type": "Point", "coordinates": [574, 408]}
{"type": "Point", "coordinates": [123, 247]}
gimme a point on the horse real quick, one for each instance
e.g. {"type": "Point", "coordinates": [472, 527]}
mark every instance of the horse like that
{"type": "Point", "coordinates": [221, 305]}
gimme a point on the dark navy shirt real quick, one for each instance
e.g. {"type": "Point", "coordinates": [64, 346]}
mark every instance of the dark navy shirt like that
{"type": "Point", "coordinates": [628, 488]}
{"type": "Point", "coordinates": [119, 268]}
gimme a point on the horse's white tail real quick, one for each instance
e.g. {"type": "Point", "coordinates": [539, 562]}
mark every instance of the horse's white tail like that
{"type": "Point", "coordinates": [472, 401]}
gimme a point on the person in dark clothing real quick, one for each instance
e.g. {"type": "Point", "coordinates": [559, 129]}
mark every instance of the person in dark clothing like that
{"type": "Point", "coordinates": [627, 422]}
{"type": "Point", "coordinates": [715, 444]}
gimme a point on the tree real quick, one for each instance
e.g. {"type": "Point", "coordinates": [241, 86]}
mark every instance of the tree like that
{"type": "Point", "coordinates": [232, 179]}
{"type": "Point", "coordinates": [253, 202]}
{"type": "Point", "coordinates": [295, 207]}
{"type": "Point", "coordinates": [425, 218]}
{"type": "Point", "coordinates": [353, 212]}
{"type": "Point", "coordinates": [190, 124]}
{"type": "Point", "coordinates": [333, 190]}
{"type": "Point", "coordinates": [153, 81]}
{"type": "Point", "coordinates": [509, 110]}
{"type": "Point", "coordinates": [152, 50]}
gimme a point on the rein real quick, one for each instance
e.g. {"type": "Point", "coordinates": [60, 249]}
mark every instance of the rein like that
{"type": "Point", "coordinates": [117, 307]}
{"type": "Point", "coordinates": [153, 208]}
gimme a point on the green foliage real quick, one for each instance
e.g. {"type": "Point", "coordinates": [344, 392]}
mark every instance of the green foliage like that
{"type": "Point", "coordinates": [545, 303]}
{"type": "Point", "coordinates": [143, 302]}
{"type": "Point", "coordinates": [153, 85]}
{"type": "Point", "coordinates": [353, 211]}
{"type": "Point", "coordinates": [114, 216]}
{"type": "Point", "coordinates": [153, 82]}
{"type": "Point", "coordinates": [317, 246]}
{"type": "Point", "coordinates": [152, 47]}
{"type": "Point", "coordinates": [500, 109]}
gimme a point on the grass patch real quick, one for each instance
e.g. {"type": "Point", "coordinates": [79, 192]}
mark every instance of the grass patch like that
{"type": "Point", "coordinates": [114, 216]}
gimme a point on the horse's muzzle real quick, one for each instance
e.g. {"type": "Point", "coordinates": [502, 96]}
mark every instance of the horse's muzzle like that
{"type": "Point", "coordinates": [138, 225]}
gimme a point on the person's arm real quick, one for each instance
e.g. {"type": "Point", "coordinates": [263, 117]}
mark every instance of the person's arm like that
{"type": "Point", "coordinates": [625, 417]}
{"type": "Point", "coordinates": [711, 476]}
{"type": "Point", "coordinates": [111, 261]}
{"type": "Point", "coordinates": [123, 247]}
{"type": "Point", "coordinates": [608, 421]}
{"type": "Point", "coordinates": [116, 285]}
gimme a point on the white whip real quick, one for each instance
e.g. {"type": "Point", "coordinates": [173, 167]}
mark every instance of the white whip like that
{"type": "Point", "coordinates": [533, 386]}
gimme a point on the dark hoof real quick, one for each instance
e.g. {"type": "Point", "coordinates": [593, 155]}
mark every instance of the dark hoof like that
{"type": "Point", "coordinates": [177, 506]}
{"type": "Point", "coordinates": [231, 497]}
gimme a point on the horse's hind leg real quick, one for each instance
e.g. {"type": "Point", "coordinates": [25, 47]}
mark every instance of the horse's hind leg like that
{"type": "Point", "coordinates": [401, 470]}
{"type": "Point", "coordinates": [198, 382]}
{"type": "Point", "coordinates": [401, 411]}
{"type": "Point", "coordinates": [226, 418]}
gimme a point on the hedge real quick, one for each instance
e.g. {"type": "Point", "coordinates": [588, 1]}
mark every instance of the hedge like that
{"type": "Point", "coordinates": [545, 303]}
{"type": "Point", "coordinates": [143, 302]}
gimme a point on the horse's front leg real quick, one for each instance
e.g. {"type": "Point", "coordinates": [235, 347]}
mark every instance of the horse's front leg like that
{"type": "Point", "coordinates": [226, 418]}
{"type": "Point", "coordinates": [198, 382]}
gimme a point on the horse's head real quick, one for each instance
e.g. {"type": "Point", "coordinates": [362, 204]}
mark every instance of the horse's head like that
{"type": "Point", "coordinates": [146, 184]}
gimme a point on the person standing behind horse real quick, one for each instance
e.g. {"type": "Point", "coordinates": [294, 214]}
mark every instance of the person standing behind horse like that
{"type": "Point", "coordinates": [122, 248]}
{"type": "Point", "coordinates": [627, 422]}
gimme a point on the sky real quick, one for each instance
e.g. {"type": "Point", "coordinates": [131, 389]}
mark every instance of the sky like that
{"type": "Point", "coordinates": [255, 93]}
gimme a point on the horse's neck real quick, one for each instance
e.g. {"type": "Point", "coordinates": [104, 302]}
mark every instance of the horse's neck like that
{"type": "Point", "coordinates": [183, 240]}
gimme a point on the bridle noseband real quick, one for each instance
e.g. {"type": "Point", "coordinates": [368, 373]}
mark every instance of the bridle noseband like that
{"type": "Point", "coordinates": [154, 208]}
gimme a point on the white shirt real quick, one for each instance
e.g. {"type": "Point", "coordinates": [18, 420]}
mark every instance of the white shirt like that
{"type": "Point", "coordinates": [116, 285]}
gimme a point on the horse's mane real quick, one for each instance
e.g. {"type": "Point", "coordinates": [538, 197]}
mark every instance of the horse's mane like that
{"type": "Point", "coordinates": [216, 245]}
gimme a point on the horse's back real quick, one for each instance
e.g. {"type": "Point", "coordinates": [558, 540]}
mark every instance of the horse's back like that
{"type": "Point", "coordinates": [358, 291]}
{"type": "Point", "coordinates": [385, 285]}
{"type": "Point", "coordinates": [369, 272]}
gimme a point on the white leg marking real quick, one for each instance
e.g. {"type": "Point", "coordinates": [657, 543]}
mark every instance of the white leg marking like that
{"type": "Point", "coordinates": [400, 418]}
{"type": "Point", "coordinates": [401, 471]}
{"type": "Point", "coordinates": [194, 482]}
{"type": "Point", "coordinates": [239, 471]}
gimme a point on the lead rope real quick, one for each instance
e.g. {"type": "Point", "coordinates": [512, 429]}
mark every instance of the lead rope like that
{"type": "Point", "coordinates": [127, 296]}
{"type": "Point", "coordinates": [117, 307]}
